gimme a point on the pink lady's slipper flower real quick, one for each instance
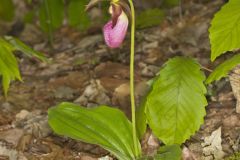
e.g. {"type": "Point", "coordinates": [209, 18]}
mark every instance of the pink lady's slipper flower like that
{"type": "Point", "coordinates": [115, 30]}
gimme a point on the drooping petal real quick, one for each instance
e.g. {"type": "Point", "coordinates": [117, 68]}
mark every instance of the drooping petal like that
{"type": "Point", "coordinates": [114, 34]}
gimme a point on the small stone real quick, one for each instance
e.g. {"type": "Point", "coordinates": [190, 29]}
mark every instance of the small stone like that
{"type": "Point", "coordinates": [22, 115]}
{"type": "Point", "coordinates": [87, 158]}
{"type": "Point", "coordinates": [94, 93]}
{"type": "Point", "coordinates": [105, 158]}
{"type": "Point", "coordinates": [150, 46]}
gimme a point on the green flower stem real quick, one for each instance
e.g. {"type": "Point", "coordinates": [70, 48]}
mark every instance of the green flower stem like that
{"type": "Point", "coordinates": [133, 108]}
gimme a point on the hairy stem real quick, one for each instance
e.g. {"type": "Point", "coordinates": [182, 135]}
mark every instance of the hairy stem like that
{"type": "Point", "coordinates": [133, 108]}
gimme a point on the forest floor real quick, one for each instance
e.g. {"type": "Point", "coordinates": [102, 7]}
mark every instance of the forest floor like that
{"type": "Point", "coordinates": [83, 70]}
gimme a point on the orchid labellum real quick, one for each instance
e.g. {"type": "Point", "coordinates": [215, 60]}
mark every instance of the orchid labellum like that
{"type": "Point", "coordinates": [115, 30]}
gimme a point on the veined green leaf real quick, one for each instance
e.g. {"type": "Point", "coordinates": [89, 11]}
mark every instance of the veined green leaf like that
{"type": "Point", "coordinates": [175, 107]}
{"type": "Point", "coordinates": [171, 152]}
{"type": "Point", "coordinates": [8, 66]}
{"type": "Point", "coordinates": [104, 126]}
{"type": "Point", "coordinates": [20, 46]}
{"type": "Point", "coordinates": [77, 16]}
{"type": "Point", "coordinates": [51, 14]}
{"type": "Point", "coordinates": [6, 10]}
{"type": "Point", "coordinates": [223, 69]}
{"type": "Point", "coordinates": [225, 29]}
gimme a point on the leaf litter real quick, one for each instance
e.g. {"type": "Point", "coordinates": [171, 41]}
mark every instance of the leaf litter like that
{"type": "Point", "coordinates": [101, 77]}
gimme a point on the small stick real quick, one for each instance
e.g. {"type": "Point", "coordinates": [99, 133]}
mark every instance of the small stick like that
{"type": "Point", "coordinates": [207, 69]}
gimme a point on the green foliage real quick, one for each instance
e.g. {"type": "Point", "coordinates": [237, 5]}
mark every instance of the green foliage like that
{"type": "Point", "coordinates": [223, 69]}
{"type": "Point", "coordinates": [170, 3]}
{"type": "Point", "coordinates": [77, 16]}
{"type": "Point", "coordinates": [149, 18]}
{"type": "Point", "coordinates": [141, 120]}
{"type": "Point", "coordinates": [171, 152]}
{"type": "Point", "coordinates": [6, 10]}
{"type": "Point", "coordinates": [51, 14]}
{"type": "Point", "coordinates": [20, 46]}
{"type": "Point", "coordinates": [8, 63]}
{"type": "Point", "coordinates": [104, 126]}
{"type": "Point", "coordinates": [224, 30]}
{"type": "Point", "coordinates": [175, 107]}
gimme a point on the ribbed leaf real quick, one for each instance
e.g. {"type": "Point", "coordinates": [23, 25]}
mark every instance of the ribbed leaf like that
{"type": "Point", "coordinates": [176, 105]}
{"type": "Point", "coordinates": [20, 46]}
{"type": "Point", "coordinates": [225, 29]}
{"type": "Point", "coordinates": [172, 152]}
{"type": "Point", "coordinates": [103, 126]}
{"type": "Point", "coordinates": [223, 69]}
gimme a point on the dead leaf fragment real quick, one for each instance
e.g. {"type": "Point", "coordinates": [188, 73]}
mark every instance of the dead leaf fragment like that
{"type": "Point", "coordinates": [235, 83]}
{"type": "Point", "coordinates": [212, 145]}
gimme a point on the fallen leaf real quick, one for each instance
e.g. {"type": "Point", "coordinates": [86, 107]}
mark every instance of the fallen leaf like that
{"type": "Point", "coordinates": [235, 83]}
{"type": "Point", "coordinates": [212, 145]}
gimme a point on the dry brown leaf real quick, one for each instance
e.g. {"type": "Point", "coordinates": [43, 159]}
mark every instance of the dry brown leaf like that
{"type": "Point", "coordinates": [235, 83]}
{"type": "Point", "coordinates": [213, 145]}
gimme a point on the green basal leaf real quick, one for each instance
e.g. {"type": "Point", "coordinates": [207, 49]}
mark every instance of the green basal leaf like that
{"type": "Point", "coordinates": [6, 10]}
{"type": "Point", "coordinates": [8, 66]}
{"type": "Point", "coordinates": [77, 16]}
{"type": "Point", "coordinates": [141, 120]}
{"type": "Point", "coordinates": [171, 152]}
{"type": "Point", "coordinates": [51, 14]}
{"type": "Point", "coordinates": [149, 18]}
{"type": "Point", "coordinates": [175, 107]}
{"type": "Point", "coordinates": [223, 69]}
{"type": "Point", "coordinates": [104, 126]}
{"type": "Point", "coordinates": [20, 46]}
{"type": "Point", "coordinates": [224, 30]}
